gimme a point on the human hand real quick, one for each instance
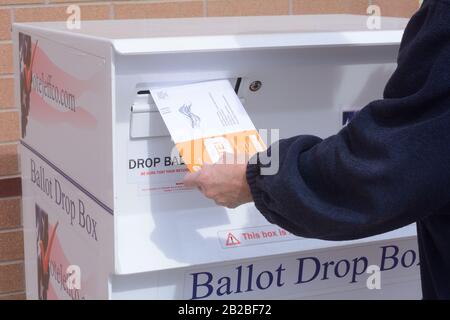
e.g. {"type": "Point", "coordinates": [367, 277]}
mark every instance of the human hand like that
{"type": "Point", "coordinates": [223, 182]}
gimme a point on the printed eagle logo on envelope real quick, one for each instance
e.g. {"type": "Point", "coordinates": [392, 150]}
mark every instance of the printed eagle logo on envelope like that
{"type": "Point", "coordinates": [186, 110]}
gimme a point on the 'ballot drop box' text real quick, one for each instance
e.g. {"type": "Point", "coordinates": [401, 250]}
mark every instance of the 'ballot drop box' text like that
{"type": "Point", "coordinates": [104, 211]}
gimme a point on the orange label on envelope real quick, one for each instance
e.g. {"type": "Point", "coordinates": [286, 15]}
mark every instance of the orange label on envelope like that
{"type": "Point", "coordinates": [209, 150]}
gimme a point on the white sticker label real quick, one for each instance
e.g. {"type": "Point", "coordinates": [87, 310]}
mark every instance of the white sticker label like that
{"type": "Point", "coordinates": [155, 169]}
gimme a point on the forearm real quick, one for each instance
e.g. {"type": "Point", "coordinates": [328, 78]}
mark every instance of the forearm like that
{"type": "Point", "coordinates": [363, 181]}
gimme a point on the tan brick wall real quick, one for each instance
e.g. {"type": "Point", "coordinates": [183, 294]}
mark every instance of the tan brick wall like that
{"type": "Point", "coordinates": [11, 236]}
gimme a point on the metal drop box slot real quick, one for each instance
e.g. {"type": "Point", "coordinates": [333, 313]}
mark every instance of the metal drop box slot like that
{"type": "Point", "coordinates": [127, 227]}
{"type": "Point", "coordinates": [145, 119]}
{"type": "Point", "coordinates": [146, 122]}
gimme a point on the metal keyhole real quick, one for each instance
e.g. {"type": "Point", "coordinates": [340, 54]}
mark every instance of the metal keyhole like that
{"type": "Point", "coordinates": [255, 85]}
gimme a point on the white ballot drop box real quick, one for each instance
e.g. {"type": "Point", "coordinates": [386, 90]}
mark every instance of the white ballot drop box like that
{"type": "Point", "coordinates": [104, 211]}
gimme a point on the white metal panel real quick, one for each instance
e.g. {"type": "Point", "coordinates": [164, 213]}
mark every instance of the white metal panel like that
{"type": "Point", "coordinates": [230, 33]}
{"type": "Point", "coordinates": [304, 91]}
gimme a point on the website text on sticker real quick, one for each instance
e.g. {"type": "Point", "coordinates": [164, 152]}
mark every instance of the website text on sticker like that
{"type": "Point", "coordinates": [206, 120]}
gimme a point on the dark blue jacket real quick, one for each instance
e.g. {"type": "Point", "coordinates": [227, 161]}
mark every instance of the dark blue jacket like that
{"type": "Point", "coordinates": [388, 168]}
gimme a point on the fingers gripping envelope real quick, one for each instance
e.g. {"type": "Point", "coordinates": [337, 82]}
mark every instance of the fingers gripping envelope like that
{"type": "Point", "coordinates": [207, 120]}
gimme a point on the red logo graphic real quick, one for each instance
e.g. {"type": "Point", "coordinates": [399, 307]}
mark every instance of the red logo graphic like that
{"type": "Point", "coordinates": [232, 240]}
{"type": "Point", "coordinates": [45, 252]}
{"type": "Point", "coordinates": [28, 69]}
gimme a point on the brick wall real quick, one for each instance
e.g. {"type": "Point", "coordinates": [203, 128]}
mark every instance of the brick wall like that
{"type": "Point", "coordinates": [11, 236]}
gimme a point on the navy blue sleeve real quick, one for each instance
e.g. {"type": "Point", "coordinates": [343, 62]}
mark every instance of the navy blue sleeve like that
{"type": "Point", "coordinates": [389, 167]}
